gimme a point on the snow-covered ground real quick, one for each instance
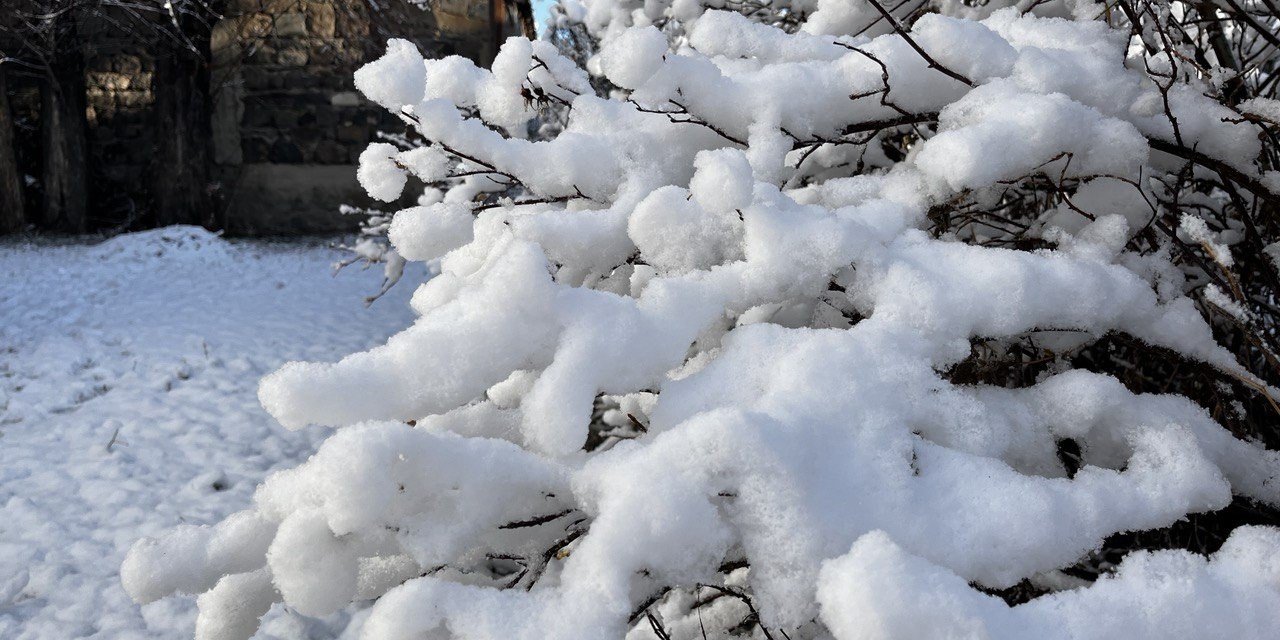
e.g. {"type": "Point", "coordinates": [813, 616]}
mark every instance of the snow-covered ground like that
{"type": "Point", "coordinates": [128, 404]}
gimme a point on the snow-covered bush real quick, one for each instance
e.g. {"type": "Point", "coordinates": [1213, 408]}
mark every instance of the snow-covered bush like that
{"type": "Point", "coordinates": [802, 332]}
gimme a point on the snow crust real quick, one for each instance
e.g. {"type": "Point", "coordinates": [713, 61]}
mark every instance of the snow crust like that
{"type": "Point", "coordinates": [778, 341]}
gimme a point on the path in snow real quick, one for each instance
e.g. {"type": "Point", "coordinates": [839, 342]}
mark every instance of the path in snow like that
{"type": "Point", "coordinates": [128, 404]}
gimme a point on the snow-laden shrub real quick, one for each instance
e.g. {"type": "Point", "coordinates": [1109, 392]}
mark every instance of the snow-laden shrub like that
{"type": "Point", "coordinates": [720, 359]}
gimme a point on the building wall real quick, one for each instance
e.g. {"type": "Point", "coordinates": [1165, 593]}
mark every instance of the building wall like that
{"type": "Point", "coordinates": [287, 123]}
{"type": "Point", "coordinates": [286, 108]}
{"type": "Point", "coordinates": [119, 98]}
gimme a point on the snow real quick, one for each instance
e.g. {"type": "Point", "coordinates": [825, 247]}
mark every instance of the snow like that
{"type": "Point", "coordinates": [427, 233]}
{"type": "Point", "coordinates": [877, 591]}
{"type": "Point", "coordinates": [677, 235]}
{"type": "Point", "coordinates": [634, 57]}
{"type": "Point", "coordinates": [454, 78]}
{"type": "Point", "coordinates": [428, 164]}
{"type": "Point", "coordinates": [997, 131]}
{"type": "Point", "coordinates": [313, 569]}
{"type": "Point", "coordinates": [1264, 108]}
{"type": "Point", "coordinates": [767, 349]}
{"type": "Point", "coordinates": [1196, 230]}
{"type": "Point", "coordinates": [128, 405]}
{"type": "Point", "coordinates": [396, 79]}
{"type": "Point", "coordinates": [498, 96]}
{"type": "Point", "coordinates": [380, 172]}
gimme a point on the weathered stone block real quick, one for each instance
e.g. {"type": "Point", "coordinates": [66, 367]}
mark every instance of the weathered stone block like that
{"type": "Point", "coordinates": [352, 26]}
{"type": "Point", "coordinates": [292, 57]}
{"type": "Point", "coordinates": [345, 99]}
{"type": "Point", "coordinates": [306, 136]}
{"type": "Point", "coordinates": [255, 26]}
{"type": "Point", "coordinates": [284, 151]}
{"type": "Point", "coordinates": [132, 99]}
{"type": "Point", "coordinates": [326, 119]}
{"type": "Point", "coordinates": [321, 19]}
{"type": "Point", "coordinates": [224, 43]}
{"type": "Point", "coordinates": [282, 6]}
{"type": "Point", "coordinates": [330, 152]}
{"type": "Point", "coordinates": [255, 149]}
{"type": "Point", "coordinates": [353, 133]}
{"type": "Point", "coordinates": [257, 118]}
{"type": "Point", "coordinates": [322, 53]}
{"type": "Point", "coordinates": [291, 25]}
{"type": "Point", "coordinates": [338, 81]}
{"type": "Point", "coordinates": [256, 79]}
{"type": "Point", "coordinates": [262, 54]}
{"type": "Point", "coordinates": [287, 118]}
{"type": "Point", "coordinates": [302, 79]}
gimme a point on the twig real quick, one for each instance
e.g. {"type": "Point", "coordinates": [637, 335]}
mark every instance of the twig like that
{"type": "Point", "coordinates": [535, 521]}
{"type": "Point", "coordinates": [933, 64]}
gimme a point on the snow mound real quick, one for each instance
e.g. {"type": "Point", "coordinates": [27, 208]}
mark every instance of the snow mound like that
{"type": "Point", "coordinates": [178, 242]}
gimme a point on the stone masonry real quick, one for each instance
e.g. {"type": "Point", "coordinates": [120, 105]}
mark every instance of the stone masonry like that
{"type": "Point", "coordinates": [288, 125]}
{"type": "Point", "coordinates": [118, 98]}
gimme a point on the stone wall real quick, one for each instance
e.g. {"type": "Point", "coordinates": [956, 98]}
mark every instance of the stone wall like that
{"type": "Point", "coordinates": [283, 85]}
{"type": "Point", "coordinates": [284, 96]}
{"type": "Point", "coordinates": [287, 123]}
{"type": "Point", "coordinates": [119, 97]}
